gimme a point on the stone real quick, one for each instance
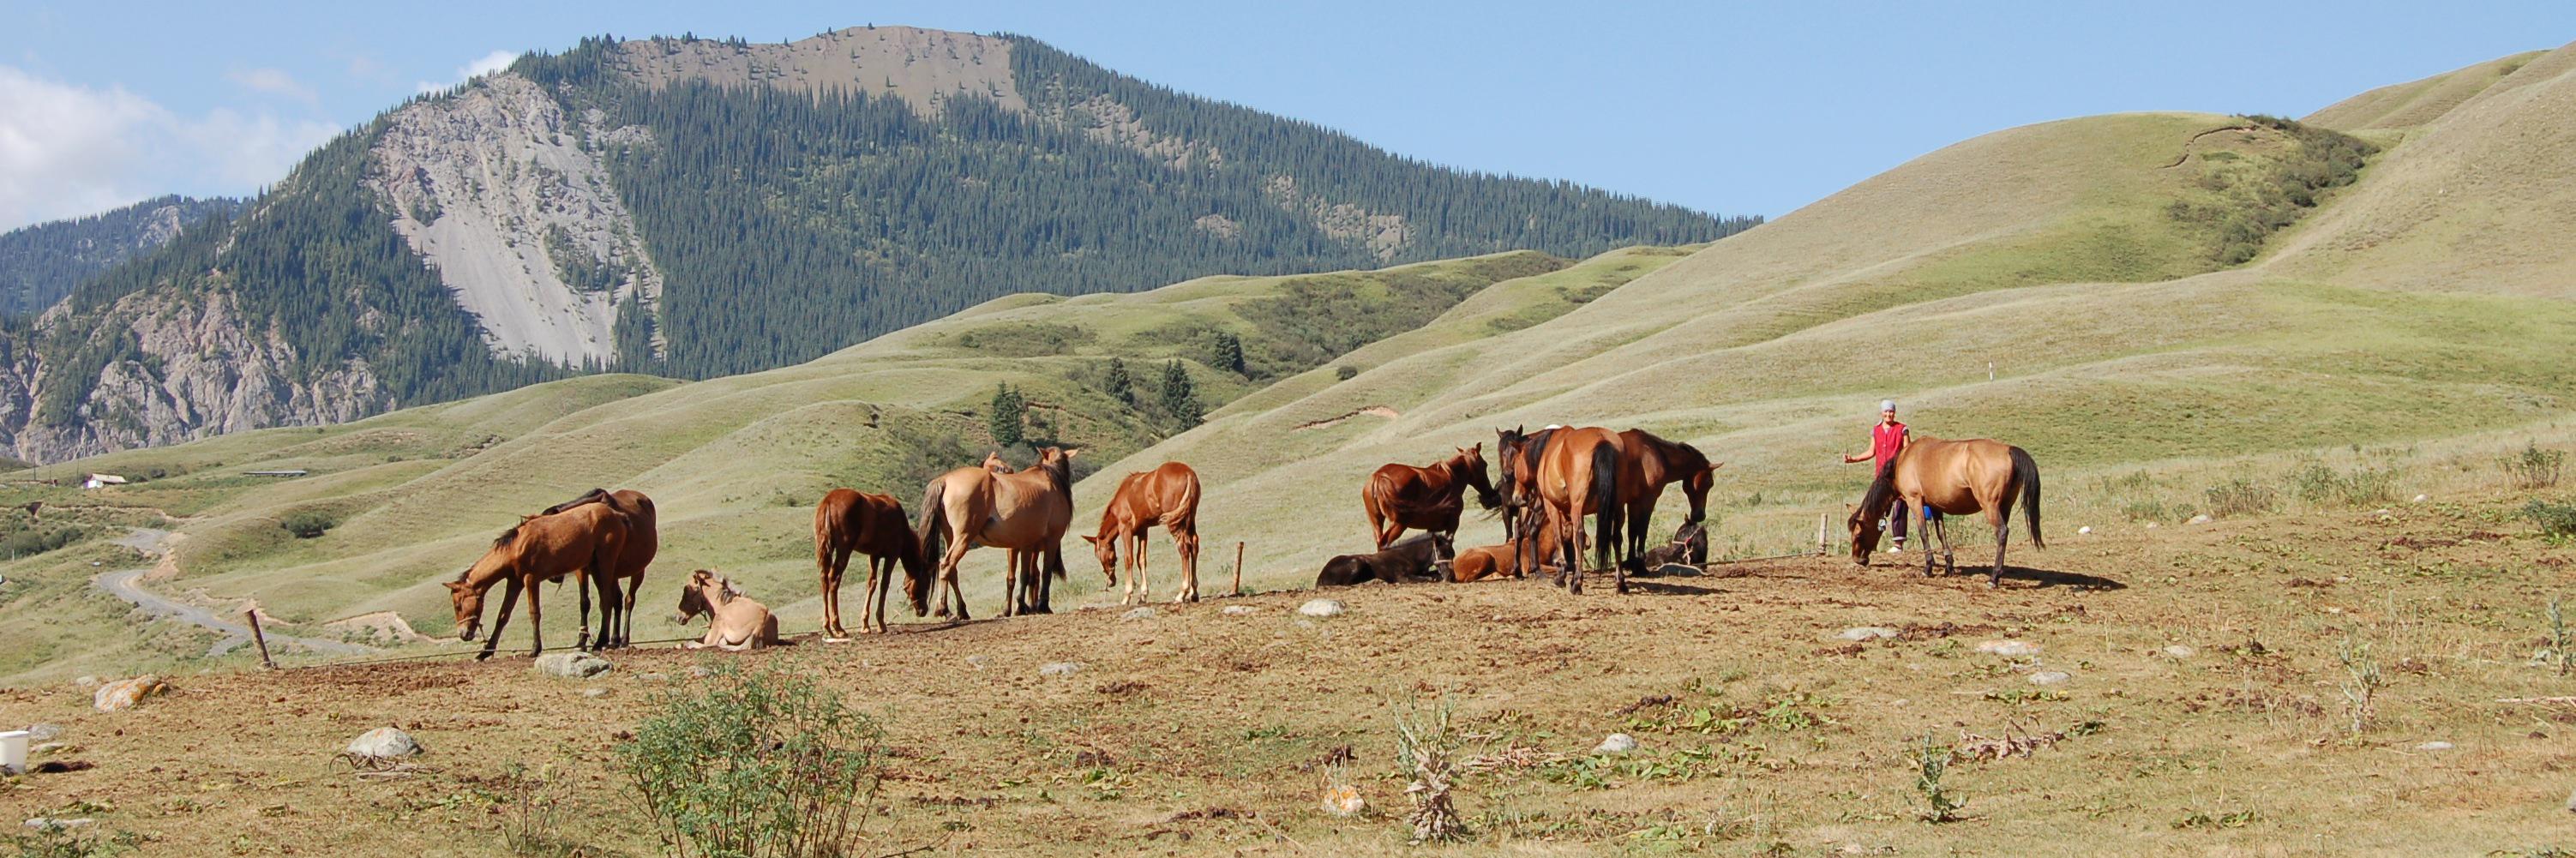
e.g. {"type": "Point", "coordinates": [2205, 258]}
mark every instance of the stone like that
{"type": "Point", "coordinates": [700, 671]}
{"type": "Point", "coordinates": [977, 662]}
{"type": "Point", "coordinates": [2009, 648]}
{"type": "Point", "coordinates": [45, 748]}
{"type": "Point", "coordinates": [2151, 525]}
{"type": "Point", "coordinates": [594, 693]}
{"type": "Point", "coordinates": [44, 732]}
{"type": "Point", "coordinates": [2421, 498]}
{"type": "Point", "coordinates": [41, 823]}
{"type": "Point", "coordinates": [86, 681]}
{"type": "Point", "coordinates": [2180, 651]}
{"type": "Point", "coordinates": [1867, 633]}
{"type": "Point", "coordinates": [2202, 518]}
{"type": "Point", "coordinates": [1240, 610]}
{"type": "Point", "coordinates": [1138, 614]}
{"type": "Point", "coordinates": [1616, 743]}
{"type": "Point", "coordinates": [1322, 608]}
{"type": "Point", "coordinates": [2571, 802]}
{"type": "Point", "coordinates": [2086, 530]}
{"type": "Point", "coordinates": [384, 742]}
{"type": "Point", "coordinates": [2436, 745]}
{"type": "Point", "coordinates": [1344, 800]}
{"type": "Point", "coordinates": [652, 677]}
{"type": "Point", "coordinates": [1059, 668]}
{"type": "Point", "coordinates": [572, 665]}
{"type": "Point", "coordinates": [125, 693]}
{"type": "Point", "coordinates": [2050, 677]}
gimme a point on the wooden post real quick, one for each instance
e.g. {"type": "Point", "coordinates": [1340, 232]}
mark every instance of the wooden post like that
{"type": "Point", "coordinates": [1238, 568]}
{"type": "Point", "coordinates": [261, 639]}
{"type": "Point", "coordinates": [1823, 526]}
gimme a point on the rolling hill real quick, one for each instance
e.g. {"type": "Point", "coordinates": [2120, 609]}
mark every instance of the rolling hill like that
{"type": "Point", "coordinates": [2172, 311]}
{"type": "Point", "coordinates": [694, 208]}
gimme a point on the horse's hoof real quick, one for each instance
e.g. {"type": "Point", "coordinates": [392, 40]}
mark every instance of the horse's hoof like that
{"type": "Point", "coordinates": [482, 656]}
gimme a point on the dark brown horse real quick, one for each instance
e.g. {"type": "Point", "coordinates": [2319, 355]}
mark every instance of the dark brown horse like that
{"type": "Point", "coordinates": [1956, 478]}
{"type": "Point", "coordinates": [1650, 463]}
{"type": "Point", "coordinates": [1400, 496]}
{"type": "Point", "coordinates": [1565, 474]}
{"type": "Point", "coordinates": [584, 542]}
{"type": "Point", "coordinates": [1168, 496]}
{"type": "Point", "coordinates": [849, 521]}
{"type": "Point", "coordinates": [643, 541]}
{"type": "Point", "coordinates": [1416, 558]}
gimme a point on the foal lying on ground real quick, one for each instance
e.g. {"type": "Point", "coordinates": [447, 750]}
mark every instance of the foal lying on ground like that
{"type": "Point", "coordinates": [734, 622]}
{"type": "Point", "coordinates": [1412, 559]}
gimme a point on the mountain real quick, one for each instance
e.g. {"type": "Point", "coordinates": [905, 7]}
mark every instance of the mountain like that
{"type": "Point", "coordinates": [695, 208]}
{"type": "Point", "coordinates": [40, 264]}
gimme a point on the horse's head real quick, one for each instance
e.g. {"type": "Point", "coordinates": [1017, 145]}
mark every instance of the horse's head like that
{"type": "Point", "coordinates": [1864, 535]}
{"type": "Point", "coordinates": [916, 575]}
{"type": "Point", "coordinates": [1470, 463]}
{"type": "Point", "coordinates": [1105, 547]}
{"type": "Point", "coordinates": [1507, 456]}
{"type": "Point", "coordinates": [993, 462]}
{"type": "Point", "coordinates": [1695, 486]}
{"type": "Point", "coordinates": [468, 600]}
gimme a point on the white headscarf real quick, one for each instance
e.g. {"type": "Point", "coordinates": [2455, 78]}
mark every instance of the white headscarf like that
{"type": "Point", "coordinates": [1887, 405]}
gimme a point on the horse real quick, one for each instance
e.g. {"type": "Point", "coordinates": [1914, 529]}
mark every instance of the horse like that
{"type": "Point", "coordinates": [1027, 512]}
{"type": "Point", "coordinates": [1167, 495]}
{"type": "Point", "coordinates": [1651, 463]}
{"type": "Point", "coordinates": [734, 622]}
{"type": "Point", "coordinates": [643, 541]}
{"type": "Point", "coordinates": [1495, 561]}
{"type": "Point", "coordinates": [1399, 496]}
{"type": "Point", "coordinates": [1412, 559]}
{"type": "Point", "coordinates": [1566, 474]}
{"type": "Point", "coordinates": [583, 541]}
{"type": "Point", "coordinates": [1956, 478]}
{"type": "Point", "coordinates": [1688, 545]}
{"type": "Point", "coordinates": [874, 525]}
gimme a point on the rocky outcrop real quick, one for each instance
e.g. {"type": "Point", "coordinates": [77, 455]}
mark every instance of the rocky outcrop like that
{"type": "Point", "coordinates": [503, 191]}
{"type": "Point", "coordinates": [1383, 234]}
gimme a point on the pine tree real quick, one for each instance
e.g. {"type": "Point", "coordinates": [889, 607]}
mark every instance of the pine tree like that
{"type": "Point", "coordinates": [1180, 399]}
{"type": "Point", "coordinates": [1118, 383]}
{"type": "Point", "coordinates": [1009, 418]}
{"type": "Point", "coordinates": [1225, 351]}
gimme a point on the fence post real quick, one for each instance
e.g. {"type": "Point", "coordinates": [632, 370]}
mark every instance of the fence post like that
{"type": "Point", "coordinates": [1238, 568]}
{"type": "Point", "coordinates": [258, 638]}
{"type": "Point", "coordinates": [1823, 520]}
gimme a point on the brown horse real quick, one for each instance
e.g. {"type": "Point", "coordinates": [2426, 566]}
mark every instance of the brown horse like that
{"type": "Point", "coordinates": [1168, 496]}
{"type": "Point", "coordinates": [1401, 496]}
{"type": "Point", "coordinates": [1651, 463]}
{"type": "Point", "coordinates": [1027, 512]}
{"type": "Point", "coordinates": [1956, 478]}
{"type": "Point", "coordinates": [1495, 561]}
{"type": "Point", "coordinates": [1565, 474]}
{"type": "Point", "coordinates": [874, 525]}
{"type": "Point", "coordinates": [643, 541]}
{"type": "Point", "coordinates": [583, 541]}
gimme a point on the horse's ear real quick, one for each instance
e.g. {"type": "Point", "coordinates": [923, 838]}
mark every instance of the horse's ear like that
{"type": "Point", "coordinates": [1092, 539]}
{"type": "Point", "coordinates": [456, 586]}
{"type": "Point", "coordinates": [1073, 452]}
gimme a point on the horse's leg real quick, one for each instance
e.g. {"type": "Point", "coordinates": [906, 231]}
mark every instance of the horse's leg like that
{"type": "Point", "coordinates": [509, 600]}
{"type": "Point", "coordinates": [581, 635]}
{"type": "Point", "coordinates": [1136, 548]}
{"type": "Point", "coordinates": [1949, 556]}
{"type": "Point", "coordinates": [1923, 528]}
{"type": "Point", "coordinates": [536, 623]}
{"type": "Point", "coordinates": [626, 611]}
{"type": "Point", "coordinates": [947, 581]}
{"type": "Point", "coordinates": [833, 562]}
{"type": "Point", "coordinates": [1185, 541]}
{"type": "Point", "coordinates": [872, 609]}
{"type": "Point", "coordinates": [1999, 515]}
{"type": "Point", "coordinates": [1574, 545]}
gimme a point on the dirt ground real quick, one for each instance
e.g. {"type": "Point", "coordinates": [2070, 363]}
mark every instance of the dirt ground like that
{"type": "Point", "coordinates": [1760, 730]}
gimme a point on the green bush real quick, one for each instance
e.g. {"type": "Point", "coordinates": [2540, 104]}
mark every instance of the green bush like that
{"type": "Point", "coordinates": [2315, 483]}
{"type": "Point", "coordinates": [754, 766]}
{"type": "Point", "coordinates": [1345, 372]}
{"type": "Point", "coordinates": [23, 543]}
{"type": "Point", "coordinates": [58, 841]}
{"type": "Point", "coordinates": [307, 524]}
{"type": "Point", "coordinates": [2556, 520]}
{"type": "Point", "coordinates": [2534, 468]}
{"type": "Point", "coordinates": [2240, 496]}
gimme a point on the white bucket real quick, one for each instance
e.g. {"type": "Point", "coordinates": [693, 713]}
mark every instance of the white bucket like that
{"type": "Point", "coordinates": [13, 751]}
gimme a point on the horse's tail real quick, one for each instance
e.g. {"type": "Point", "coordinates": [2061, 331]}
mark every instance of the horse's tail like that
{"type": "Point", "coordinates": [827, 537]}
{"type": "Point", "coordinates": [1605, 491]}
{"type": "Point", "coordinates": [2026, 472]}
{"type": "Point", "coordinates": [934, 518]}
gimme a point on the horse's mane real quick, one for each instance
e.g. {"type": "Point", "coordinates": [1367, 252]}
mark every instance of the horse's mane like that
{"type": "Point", "coordinates": [1875, 502]}
{"type": "Point", "coordinates": [1059, 473]}
{"type": "Point", "coordinates": [503, 540]}
{"type": "Point", "coordinates": [592, 496]}
{"type": "Point", "coordinates": [1534, 444]}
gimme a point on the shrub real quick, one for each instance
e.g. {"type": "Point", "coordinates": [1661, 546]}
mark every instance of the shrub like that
{"type": "Point", "coordinates": [2240, 496]}
{"type": "Point", "coordinates": [2315, 483]}
{"type": "Point", "coordinates": [2556, 520]}
{"type": "Point", "coordinates": [23, 543]}
{"type": "Point", "coordinates": [307, 524]}
{"type": "Point", "coordinates": [1345, 372]}
{"type": "Point", "coordinates": [1931, 762]}
{"type": "Point", "coordinates": [54, 840]}
{"type": "Point", "coordinates": [754, 766]}
{"type": "Point", "coordinates": [2534, 468]}
{"type": "Point", "coordinates": [1425, 752]}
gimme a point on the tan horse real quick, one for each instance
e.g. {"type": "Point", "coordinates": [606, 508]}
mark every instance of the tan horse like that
{"type": "Point", "coordinates": [1564, 474]}
{"type": "Point", "coordinates": [734, 622]}
{"type": "Point", "coordinates": [851, 521]}
{"type": "Point", "coordinates": [1168, 496]}
{"type": "Point", "coordinates": [643, 540]}
{"type": "Point", "coordinates": [584, 542]}
{"type": "Point", "coordinates": [1027, 512]}
{"type": "Point", "coordinates": [1496, 561]}
{"type": "Point", "coordinates": [1956, 478]}
{"type": "Point", "coordinates": [1399, 496]}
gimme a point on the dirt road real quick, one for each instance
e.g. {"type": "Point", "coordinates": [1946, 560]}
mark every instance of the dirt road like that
{"type": "Point", "coordinates": [127, 584]}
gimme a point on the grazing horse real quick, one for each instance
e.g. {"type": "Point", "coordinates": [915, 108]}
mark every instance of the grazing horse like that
{"type": "Point", "coordinates": [1400, 496]}
{"type": "Point", "coordinates": [1956, 478]}
{"type": "Point", "coordinates": [1564, 474]}
{"type": "Point", "coordinates": [643, 540]}
{"type": "Point", "coordinates": [1413, 559]}
{"type": "Point", "coordinates": [1026, 512]}
{"type": "Point", "coordinates": [583, 541]}
{"type": "Point", "coordinates": [1495, 561]}
{"type": "Point", "coordinates": [1168, 496]}
{"type": "Point", "coordinates": [874, 525]}
{"type": "Point", "coordinates": [734, 622]}
{"type": "Point", "coordinates": [1649, 464]}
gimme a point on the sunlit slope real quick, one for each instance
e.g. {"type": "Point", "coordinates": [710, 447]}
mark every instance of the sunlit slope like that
{"type": "Point", "coordinates": [2417, 102]}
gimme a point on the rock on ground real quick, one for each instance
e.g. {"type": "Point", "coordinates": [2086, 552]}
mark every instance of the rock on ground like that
{"type": "Point", "coordinates": [2436, 745]}
{"type": "Point", "coordinates": [2049, 677]}
{"type": "Point", "coordinates": [1322, 608]}
{"type": "Point", "coordinates": [1616, 743]}
{"type": "Point", "coordinates": [2202, 518]}
{"type": "Point", "coordinates": [44, 732]}
{"type": "Point", "coordinates": [1058, 668]}
{"type": "Point", "coordinates": [125, 693]}
{"type": "Point", "coordinates": [384, 742]}
{"type": "Point", "coordinates": [571, 665]}
{"type": "Point", "coordinates": [1239, 610]}
{"type": "Point", "coordinates": [2180, 651]}
{"type": "Point", "coordinates": [2009, 648]}
{"type": "Point", "coordinates": [1867, 633]}
{"type": "Point", "coordinates": [1137, 614]}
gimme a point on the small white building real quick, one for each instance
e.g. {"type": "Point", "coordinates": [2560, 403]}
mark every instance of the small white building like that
{"type": "Point", "coordinates": [97, 480]}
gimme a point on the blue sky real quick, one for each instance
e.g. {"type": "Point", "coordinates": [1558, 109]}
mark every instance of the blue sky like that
{"type": "Point", "coordinates": [1732, 108]}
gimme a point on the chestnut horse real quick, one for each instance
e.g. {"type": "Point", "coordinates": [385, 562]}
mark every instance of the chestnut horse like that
{"type": "Point", "coordinates": [643, 540]}
{"type": "Point", "coordinates": [1495, 561]}
{"type": "Point", "coordinates": [874, 525]}
{"type": "Point", "coordinates": [1565, 474]}
{"type": "Point", "coordinates": [1168, 496]}
{"type": "Point", "coordinates": [1651, 463]}
{"type": "Point", "coordinates": [1026, 512]}
{"type": "Point", "coordinates": [1957, 478]}
{"type": "Point", "coordinates": [1401, 496]}
{"type": "Point", "coordinates": [583, 541]}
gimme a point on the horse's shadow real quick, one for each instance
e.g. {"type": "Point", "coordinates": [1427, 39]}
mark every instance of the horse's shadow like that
{"type": "Point", "coordinates": [1665, 587]}
{"type": "Point", "coordinates": [2053, 578]}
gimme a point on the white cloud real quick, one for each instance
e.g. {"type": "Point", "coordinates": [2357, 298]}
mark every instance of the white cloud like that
{"type": "Point", "coordinates": [68, 150]}
{"type": "Point", "coordinates": [486, 64]}
{"type": "Point", "coordinates": [274, 82]}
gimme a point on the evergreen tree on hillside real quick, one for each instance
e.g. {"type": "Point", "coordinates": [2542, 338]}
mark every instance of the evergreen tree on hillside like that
{"type": "Point", "coordinates": [1009, 416]}
{"type": "Point", "coordinates": [1117, 383]}
{"type": "Point", "coordinates": [1225, 351]}
{"type": "Point", "coordinates": [1179, 399]}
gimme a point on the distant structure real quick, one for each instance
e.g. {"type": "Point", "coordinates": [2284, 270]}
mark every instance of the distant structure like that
{"type": "Point", "coordinates": [99, 480]}
{"type": "Point", "coordinates": [292, 473]}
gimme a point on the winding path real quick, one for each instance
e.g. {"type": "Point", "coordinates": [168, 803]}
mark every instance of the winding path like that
{"type": "Point", "coordinates": [127, 584]}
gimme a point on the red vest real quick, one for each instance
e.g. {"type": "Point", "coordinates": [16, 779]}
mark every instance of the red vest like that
{"type": "Point", "coordinates": [1884, 441]}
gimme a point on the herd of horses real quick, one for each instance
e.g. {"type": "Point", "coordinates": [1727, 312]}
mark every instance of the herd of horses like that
{"type": "Point", "coordinates": [1550, 480]}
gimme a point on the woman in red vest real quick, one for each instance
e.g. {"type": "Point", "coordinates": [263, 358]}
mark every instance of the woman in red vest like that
{"type": "Point", "coordinates": [1885, 441]}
